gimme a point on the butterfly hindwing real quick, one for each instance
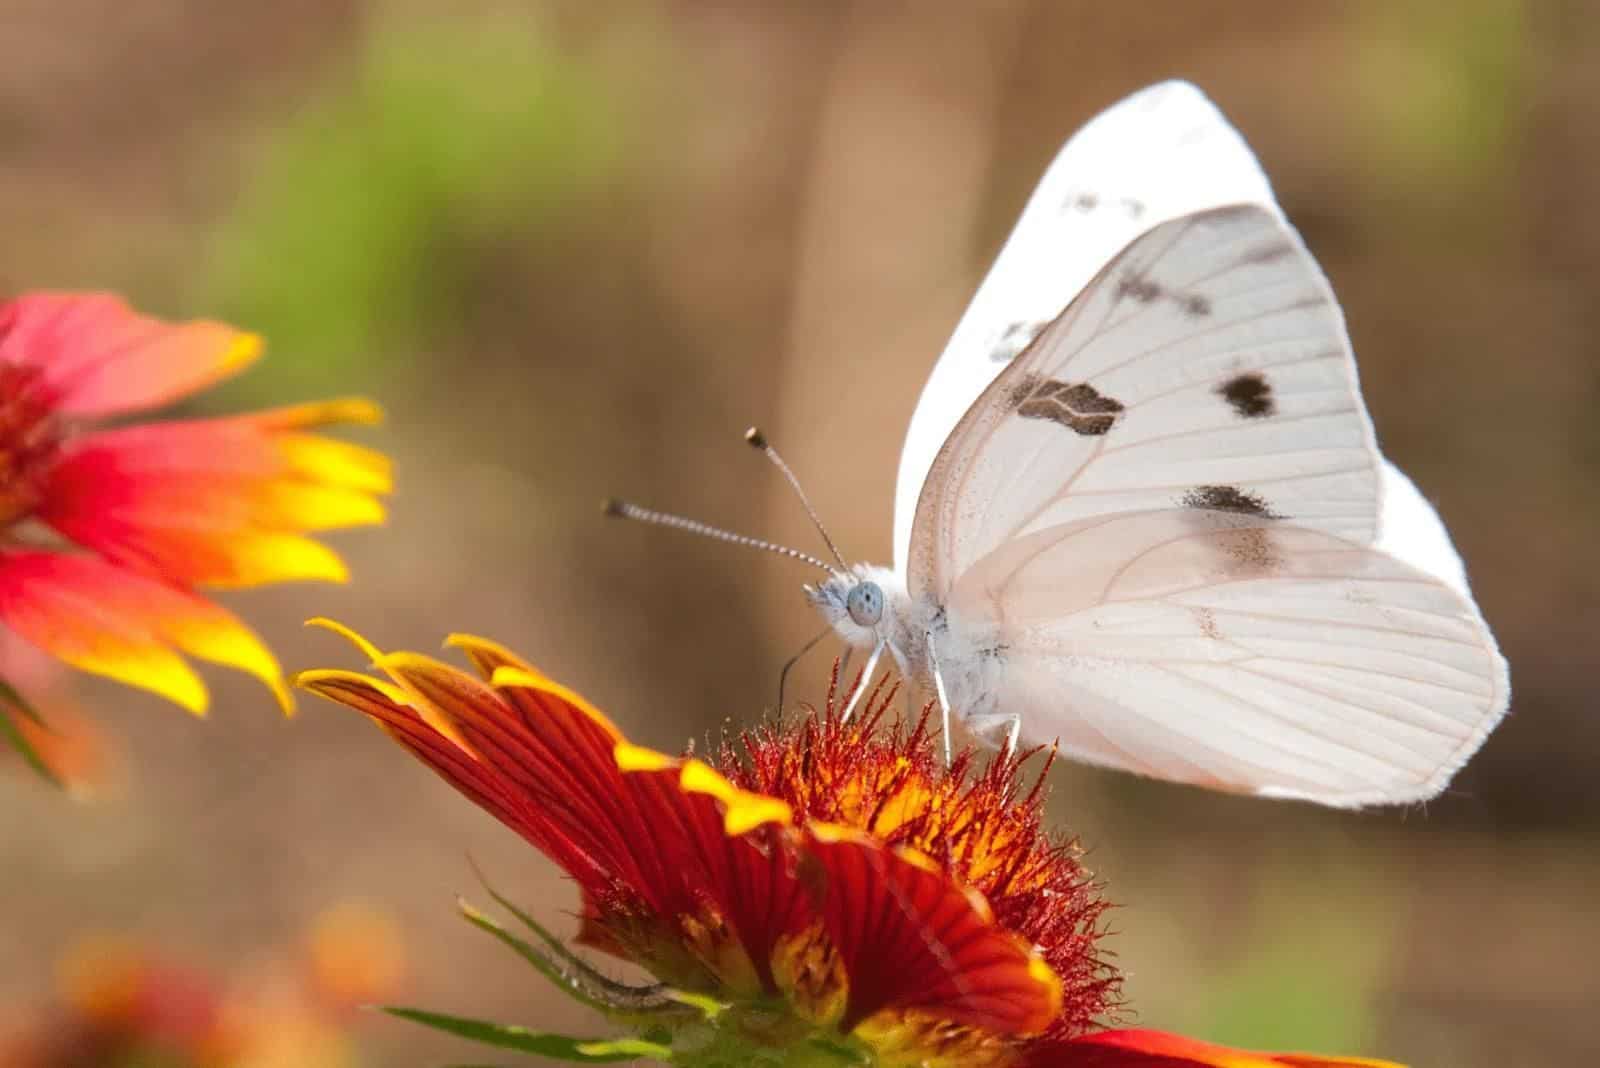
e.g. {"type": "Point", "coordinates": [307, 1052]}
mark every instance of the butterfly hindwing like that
{"type": "Point", "coordinates": [1238, 652]}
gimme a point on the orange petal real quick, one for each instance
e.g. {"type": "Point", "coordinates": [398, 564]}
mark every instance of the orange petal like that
{"type": "Point", "coordinates": [211, 502]}
{"type": "Point", "coordinates": [1138, 1048]}
{"type": "Point", "coordinates": [104, 619]}
{"type": "Point", "coordinates": [357, 410]}
{"type": "Point", "coordinates": [100, 357]}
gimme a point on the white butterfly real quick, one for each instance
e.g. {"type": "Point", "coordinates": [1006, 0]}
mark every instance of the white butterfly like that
{"type": "Point", "coordinates": [1141, 509]}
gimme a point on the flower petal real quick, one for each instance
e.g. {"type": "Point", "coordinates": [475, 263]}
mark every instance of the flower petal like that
{"type": "Point", "coordinates": [545, 762]}
{"type": "Point", "coordinates": [100, 357]}
{"type": "Point", "coordinates": [542, 757]}
{"type": "Point", "coordinates": [211, 502]}
{"type": "Point", "coordinates": [910, 938]}
{"type": "Point", "coordinates": [389, 707]}
{"type": "Point", "coordinates": [1139, 1048]}
{"type": "Point", "coordinates": [355, 410]}
{"type": "Point", "coordinates": [704, 822]}
{"type": "Point", "coordinates": [103, 619]}
{"type": "Point", "coordinates": [336, 463]}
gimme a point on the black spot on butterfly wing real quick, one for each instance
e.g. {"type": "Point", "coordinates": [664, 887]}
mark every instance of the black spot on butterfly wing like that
{"type": "Point", "coordinates": [1232, 518]}
{"type": "Point", "coordinates": [1229, 499]}
{"type": "Point", "coordinates": [1138, 287]}
{"type": "Point", "coordinates": [1077, 406]}
{"type": "Point", "coordinates": [1016, 337]}
{"type": "Point", "coordinates": [1249, 395]}
{"type": "Point", "coordinates": [1249, 552]}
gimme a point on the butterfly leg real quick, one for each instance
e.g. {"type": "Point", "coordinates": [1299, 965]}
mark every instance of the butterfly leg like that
{"type": "Point", "coordinates": [1011, 737]}
{"type": "Point", "coordinates": [987, 727]}
{"type": "Point", "coordinates": [944, 698]}
{"type": "Point", "coordinates": [866, 677]}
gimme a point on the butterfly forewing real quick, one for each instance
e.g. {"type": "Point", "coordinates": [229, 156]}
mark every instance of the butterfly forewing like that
{"type": "Point", "coordinates": [1206, 367]}
{"type": "Point", "coordinates": [1164, 152]}
{"type": "Point", "coordinates": [1237, 652]}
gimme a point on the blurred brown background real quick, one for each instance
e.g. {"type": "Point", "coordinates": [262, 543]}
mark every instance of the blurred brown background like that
{"type": "Point", "coordinates": [577, 247]}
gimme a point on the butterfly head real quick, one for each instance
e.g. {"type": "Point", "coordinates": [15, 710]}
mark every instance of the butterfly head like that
{"type": "Point", "coordinates": [859, 604]}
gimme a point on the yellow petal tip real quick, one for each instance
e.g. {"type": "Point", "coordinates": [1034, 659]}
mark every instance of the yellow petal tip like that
{"type": "Point", "coordinates": [632, 757]}
{"type": "Point", "coordinates": [742, 810]}
{"type": "Point", "coordinates": [505, 675]}
{"type": "Point", "coordinates": [370, 651]}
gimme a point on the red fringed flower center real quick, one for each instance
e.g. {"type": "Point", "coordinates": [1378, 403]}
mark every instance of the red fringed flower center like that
{"type": "Point", "coordinates": [981, 824]}
{"type": "Point", "coordinates": [30, 434]}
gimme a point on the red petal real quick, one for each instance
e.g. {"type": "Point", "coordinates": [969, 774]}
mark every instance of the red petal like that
{"type": "Point", "coordinates": [100, 357]}
{"type": "Point", "coordinates": [747, 878]}
{"type": "Point", "coordinates": [1137, 1048]}
{"type": "Point", "coordinates": [910, 938]}
{"type": "Point", "coordinates": [390, 708]}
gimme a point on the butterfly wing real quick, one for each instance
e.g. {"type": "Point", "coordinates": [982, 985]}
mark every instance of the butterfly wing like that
{"type": "Point", "coordinates": [1163, 519]}
{"type": "Point", "coordinates": [1164, 152]}
{"type": "Point", "coordinates": [1206, 367]}
{"type": "Point", "coordinates": [1238, 652]}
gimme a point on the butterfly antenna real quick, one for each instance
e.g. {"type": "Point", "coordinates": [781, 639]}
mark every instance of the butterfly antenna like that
{"type": "Point", "coordinates": [758, 440]}
{"type": "Point", "coordinates": [624, 510]}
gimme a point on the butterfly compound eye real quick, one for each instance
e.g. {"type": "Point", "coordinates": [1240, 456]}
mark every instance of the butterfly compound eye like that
{"type": "Point", "coordinates": [865, 604]}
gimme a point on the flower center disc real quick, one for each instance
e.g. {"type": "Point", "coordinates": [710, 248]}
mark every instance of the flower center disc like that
{"type": "Point", "coordinates": [29, 437]}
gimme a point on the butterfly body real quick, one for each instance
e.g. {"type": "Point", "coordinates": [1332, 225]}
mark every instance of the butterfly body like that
{"type": "Point", "coordinates": [1142, 511]}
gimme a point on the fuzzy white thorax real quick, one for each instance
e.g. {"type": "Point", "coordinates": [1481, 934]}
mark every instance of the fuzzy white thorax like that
{"type": "Point", "coordinates": [968, 655]}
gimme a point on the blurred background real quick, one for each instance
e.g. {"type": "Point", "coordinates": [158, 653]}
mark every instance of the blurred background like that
{"type": "Point", "coordinates": [576, 248]}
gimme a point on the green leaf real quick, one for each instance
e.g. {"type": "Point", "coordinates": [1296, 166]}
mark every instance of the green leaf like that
{"type": "Point", "coordinates": [539, 1043]}
{"type": "Point", "coordinates": [12, 733]}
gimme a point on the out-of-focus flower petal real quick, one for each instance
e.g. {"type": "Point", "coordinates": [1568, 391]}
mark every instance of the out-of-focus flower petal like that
{"type": "Point", "coordinates": [356, 956]}
{"type": "Point", "coordinates": [219, 502]}
{"type": "Point", "coordinates": [100, 357]}
{"type": "Point", "coordinates": [103, 619]}
{"type": "Point", "coordinates": [912, 939]}
{"type": "Point", "coordinates": [355, 411]}
{"type": "Point", "coordinates": [336, 463]}
{"type": "Point", "coordinates": [1139, 1048]}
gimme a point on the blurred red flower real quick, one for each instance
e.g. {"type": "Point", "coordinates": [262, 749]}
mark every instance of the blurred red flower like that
{"type": "Point", "coordinates": [107, 532]}
{"type": "Point", "coordinates": [123, 1005]}
{"type": "Point", "coordinates": [827, 886]}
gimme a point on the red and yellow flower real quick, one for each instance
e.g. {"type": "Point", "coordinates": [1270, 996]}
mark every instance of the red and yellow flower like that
{"type": "Point", "coordinates": [824, 894]}
{"type": "Point", "coordinates": [106, 533]}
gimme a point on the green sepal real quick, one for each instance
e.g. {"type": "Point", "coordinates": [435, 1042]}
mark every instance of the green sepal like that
{"type": "Point", "coordinates": [708, 1006]}
{"type": "Point", "coordinates": [538, 1043]}
{"type": "Point", "coordinates": [575, 977]}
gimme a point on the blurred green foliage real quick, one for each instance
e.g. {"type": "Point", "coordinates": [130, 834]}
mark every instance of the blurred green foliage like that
{"type": "Point", "coordinates": [1442, 88]}
{"type": "Point", "coordinates": [1307, 980]}
{"type": "Point", "coordinates": [360, 231]}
